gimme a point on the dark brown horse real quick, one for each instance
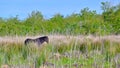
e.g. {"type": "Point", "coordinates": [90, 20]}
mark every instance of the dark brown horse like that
{"type": "Point", "coordinates": [39, 40]}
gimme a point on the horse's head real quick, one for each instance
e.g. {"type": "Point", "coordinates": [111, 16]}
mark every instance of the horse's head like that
{"type": "Point", "coordinates": [27, 41]}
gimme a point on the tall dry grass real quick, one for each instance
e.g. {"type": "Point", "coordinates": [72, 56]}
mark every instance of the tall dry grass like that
{"type": "Point", "coordinates": [62, 51]}
{"type": "Point", "coordinates": [60, 39]}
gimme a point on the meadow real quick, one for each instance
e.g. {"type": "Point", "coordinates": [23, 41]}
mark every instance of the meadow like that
{"type": "Point", "coordinates": [81, 40]}
{"type": "Point", "coordinates": [62, 52]}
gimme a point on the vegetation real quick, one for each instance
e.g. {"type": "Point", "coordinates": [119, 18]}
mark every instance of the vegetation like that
{"type": "Point", "coordinates": [100, 52]}
{"type": "Point", "coordinates": [85, 22]}
{"type": "Point", "coordinates": [69, 50]}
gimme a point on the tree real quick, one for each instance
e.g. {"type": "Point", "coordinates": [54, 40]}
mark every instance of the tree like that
{"type": "Point", "coordinates": [105, 6]}
{"type": "Point", "coordinates": [87, 14]}
{"type": "Point", "coordinates": [57, 18]}
{"type": "Point", "coordinates": [108, 11]}
{"type": "Point", "coordinates": [35, 16]}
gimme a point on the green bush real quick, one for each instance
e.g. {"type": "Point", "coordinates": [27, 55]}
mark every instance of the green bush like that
{"type": "Point", "coordinates": [85, 22]}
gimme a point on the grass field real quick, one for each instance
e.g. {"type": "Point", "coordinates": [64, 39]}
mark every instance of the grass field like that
{"type": "Point", "coordinates": [62, 52]}
{"type": "Point", "coordinates": [70, 43]}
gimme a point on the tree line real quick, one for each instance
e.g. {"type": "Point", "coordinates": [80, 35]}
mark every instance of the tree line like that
{"type": "Point", "coordinates": [85, 22]}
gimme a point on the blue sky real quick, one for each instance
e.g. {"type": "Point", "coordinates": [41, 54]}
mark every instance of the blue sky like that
{"type": "Point", "coordinates": [11, 8]}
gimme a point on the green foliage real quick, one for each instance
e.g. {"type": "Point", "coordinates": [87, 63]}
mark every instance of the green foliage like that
{"type": "Point", "coordinates": [111, 15]}
{"type": "Point", "coordinates": [84, 22]}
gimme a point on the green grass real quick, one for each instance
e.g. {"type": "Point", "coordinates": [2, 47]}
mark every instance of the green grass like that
{"type": "Point", "coordinates": [63, 52]}
{"type": "Point", "coordinates": [87, 54]}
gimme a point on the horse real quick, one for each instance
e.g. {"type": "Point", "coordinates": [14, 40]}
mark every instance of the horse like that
{"type": "Point", "coordinates": [39, 40]}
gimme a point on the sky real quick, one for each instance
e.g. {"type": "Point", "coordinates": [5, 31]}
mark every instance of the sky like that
{"type": "Point", "coordinates": [48, 8]}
